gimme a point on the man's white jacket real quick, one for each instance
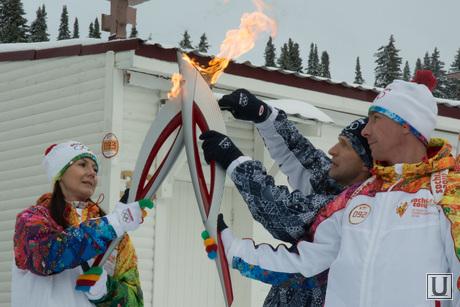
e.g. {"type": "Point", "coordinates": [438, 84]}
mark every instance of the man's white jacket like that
{"type": "Point", "coordinates": [380, 240]}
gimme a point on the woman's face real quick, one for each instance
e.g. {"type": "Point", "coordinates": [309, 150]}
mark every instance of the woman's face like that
{"type": "Point", "coordinates": [79, 180]}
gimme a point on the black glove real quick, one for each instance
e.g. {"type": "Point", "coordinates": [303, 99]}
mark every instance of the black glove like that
{"type": "Point", "coordinates": [218, 147]}
{"type": "Point", "coordinates": [221, 223]}
{"type": "Point", "coordinates": [245, 106]}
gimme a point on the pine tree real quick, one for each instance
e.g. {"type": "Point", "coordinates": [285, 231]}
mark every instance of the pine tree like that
{"type": "Point", "coordinates": [313, 60]}
{"type": "Point", "coordinates": [97, 29]}
{"type": "Point", "coordinates": [418, 65]}
{"type": "Point", "coordinates": [76, 29]}
{"type": "Point", "coordinates": [270, 53]}
{"type": "Point", "coordinates": [358, 75]}
{"type": "Point", "coordinates": [284, 60]}
{"type": "Point", "coordinates": [91, 31]}
{"type": "Point", "coordinates": [133, 33]}
{"type": "Point", "coordinates": [427, 62]}
{"type": "Point", "coordinates": [38, 28]}
{"type": "Point", "coordinates": [455, 66]}
{"type": "Point", "coordinates": [13, 24]}
{"type": "Point", "coordinates": [64, 32]}
{"type": "Point", "coordinates": [437, 67]}
{"type": "Point", "coordinates": [324, 66]}
{"type": "Point", "coordinates": [453, 85]}
{"type": "Point", "coordinates": [295, 60]}
{"type": "Point", "coordinates": [185, 43]}
{"type": "Point", "coordinates": [406, 72]}
{"type": "Point", "coordinates": [388, 64]}
{"type": "Point", "coordinates": [203, 45]}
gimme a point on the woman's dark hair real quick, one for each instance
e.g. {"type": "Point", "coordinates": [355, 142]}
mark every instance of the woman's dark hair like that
{"type": "Point", "coordinates": [57, 205]}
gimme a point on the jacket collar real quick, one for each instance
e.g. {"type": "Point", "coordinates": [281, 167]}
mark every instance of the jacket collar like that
{"type": "Point", "coordinates": [439, 158]}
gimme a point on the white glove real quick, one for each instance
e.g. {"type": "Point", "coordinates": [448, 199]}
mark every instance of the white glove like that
{"type": "Point", "coordinates": [227, 240]}
{"type": "Point", "coordinates": [125, 217]}
{"type": "Point", "coordinates": [99, 289]}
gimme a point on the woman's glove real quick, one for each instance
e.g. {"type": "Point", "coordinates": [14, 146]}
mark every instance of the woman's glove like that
{"type": "Point", "coordinates": [218, 147]}
{"type": "Point", "coordinates": [128, 217]}
{"type": "Point", "coordinates": [244, 105]}
{"type": "Point", "coordinates": [93, 283]}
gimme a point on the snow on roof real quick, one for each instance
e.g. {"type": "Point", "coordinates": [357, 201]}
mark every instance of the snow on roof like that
{"type": "Point", "coordinates": [52, 44]}
{"type": "Point", "coordinates": [296, 108]}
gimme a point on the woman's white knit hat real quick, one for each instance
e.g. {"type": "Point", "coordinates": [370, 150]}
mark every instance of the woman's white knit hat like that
{"type": "Point", "coordinates": [58, 157]}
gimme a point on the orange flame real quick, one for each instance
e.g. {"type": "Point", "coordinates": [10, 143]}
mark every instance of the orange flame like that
{"type": "Point", "coordinates": [176, 80]}
{"type": "Point", "coordinates": [238, 41]}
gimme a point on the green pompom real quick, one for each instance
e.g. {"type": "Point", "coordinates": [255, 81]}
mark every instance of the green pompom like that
{"type": "Point", "coordinates": [96, 270]}
{"type": "Point", "coordinates": [205, 234]}
{"type": "Point", "coordinates": [146, 203]}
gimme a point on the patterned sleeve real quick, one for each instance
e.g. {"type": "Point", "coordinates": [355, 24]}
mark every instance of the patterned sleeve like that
{"type": "Point", "coordinates": [285, 215]}
{"type": "Point", "coordinates": [124, 288]}
{"type": "Point", "coordinates": [43, 249]}
{"type": "Point", "coordinates": [305, 166]}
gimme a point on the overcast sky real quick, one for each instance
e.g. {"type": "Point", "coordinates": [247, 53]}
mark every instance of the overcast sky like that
{"type": "Point", "coordinates": [345, 29]}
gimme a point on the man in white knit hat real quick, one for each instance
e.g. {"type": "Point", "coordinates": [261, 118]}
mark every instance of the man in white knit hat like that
{"type": "Point", "coordinates": [381, 239]}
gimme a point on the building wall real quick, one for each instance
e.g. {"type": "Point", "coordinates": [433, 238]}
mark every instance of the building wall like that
{"type": "Point", "coordinates": [42, 102]}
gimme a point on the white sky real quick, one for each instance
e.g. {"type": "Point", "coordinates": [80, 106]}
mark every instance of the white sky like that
{"type": "Point", "coordinates": [346, 29]}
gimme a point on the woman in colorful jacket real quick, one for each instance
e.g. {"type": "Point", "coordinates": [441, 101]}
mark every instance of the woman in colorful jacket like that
{"type": "Point", "coordinates": [382, 238]}
{"type": "Point", "coordinates": [64, 232]}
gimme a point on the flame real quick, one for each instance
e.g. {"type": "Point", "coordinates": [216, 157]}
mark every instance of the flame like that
{"type": "Point", "coordinates": [176, 80]}
{"type": "Point", "coordinates": [237, 42]}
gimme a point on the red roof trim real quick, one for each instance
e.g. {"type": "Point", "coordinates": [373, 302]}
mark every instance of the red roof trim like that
{"type": "Point", "coordinates": [22, 55]}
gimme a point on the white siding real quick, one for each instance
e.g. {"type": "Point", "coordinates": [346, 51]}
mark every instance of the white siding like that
{"type": "Point", "coordinates": [41, 102]}
{"type": "Point", "coordinates": [140, 106]}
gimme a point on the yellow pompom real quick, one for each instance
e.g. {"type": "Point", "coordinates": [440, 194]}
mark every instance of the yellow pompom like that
{"type": "Point", "coordinates": [209, 241]}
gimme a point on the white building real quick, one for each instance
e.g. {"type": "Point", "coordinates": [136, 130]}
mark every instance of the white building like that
{"type": "Point", "coordinates": [82, 90]}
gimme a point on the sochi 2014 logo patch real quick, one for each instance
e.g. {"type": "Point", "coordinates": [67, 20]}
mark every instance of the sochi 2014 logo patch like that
{"type": "Point", "coordinates": [401, 209]}
{"type": "Point", "coordinates": [359, 214]}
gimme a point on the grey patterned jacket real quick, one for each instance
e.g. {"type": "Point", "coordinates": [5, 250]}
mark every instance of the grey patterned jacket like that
{"type": "Point", "coordinates": [287, 215]}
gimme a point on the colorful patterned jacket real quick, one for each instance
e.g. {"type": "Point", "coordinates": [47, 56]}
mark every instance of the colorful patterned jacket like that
{"type": "Point", "coordinates": [379, 239]}
{"type": "Point", "coordinates": [287, 215]}
{"type": "Point", "coordinates": [48, 258]}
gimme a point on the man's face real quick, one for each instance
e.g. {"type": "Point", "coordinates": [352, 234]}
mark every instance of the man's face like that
{"type": "Point", "coordinates": [346, 163]}
{"type": "Point", "coordinates": [384, 136]}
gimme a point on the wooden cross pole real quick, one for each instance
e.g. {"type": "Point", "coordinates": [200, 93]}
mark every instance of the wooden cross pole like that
{"type": "Point", "coordinates": [121, 14]}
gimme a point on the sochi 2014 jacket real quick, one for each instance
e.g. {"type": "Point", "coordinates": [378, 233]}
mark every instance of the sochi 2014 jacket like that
{"type": "Point", "coordinates": [379, 239]}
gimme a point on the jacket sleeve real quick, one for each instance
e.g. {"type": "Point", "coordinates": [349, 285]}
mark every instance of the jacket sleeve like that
{"type": "Point", "coordinates": [281, 263]}
{"type": "Point", "coordinates": [284, 214]}
{"type": "Point", "coordinates": [450, 225]}
{"type": "Point", "coordinates": [44, 250]}
{"type": "Point", "coordinates": [124, 288]}
{"type": "Point", "coordinates": [305, 166]}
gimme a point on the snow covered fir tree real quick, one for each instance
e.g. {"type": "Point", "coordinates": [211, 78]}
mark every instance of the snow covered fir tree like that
{"type": "Point", "coordinates": [64, 32]}
{"type": "Point", "coordinates": [388, 64]}
{"type": "Point", "coordinates": [186, 42]}
{"type": "Point", "coordinates": [270, 53]}
{"type": "Point", "coordinates": [203, 45]}
{"type": "Point", "coordinates": [39, 28]}
{"type": "Point", "coordinates": [358, 75]}
{"type": "Point", "coordinates": [13, 24]}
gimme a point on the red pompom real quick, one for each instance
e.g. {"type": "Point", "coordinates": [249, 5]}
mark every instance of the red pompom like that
{"type": "Point", "coordinates": [49, 149]}
{"type": "Point", "coordinates": [425, 77]}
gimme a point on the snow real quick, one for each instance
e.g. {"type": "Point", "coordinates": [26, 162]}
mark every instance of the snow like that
{"type": "Point", "coordinates": [51, 44]}
{"type": "Point", "coordinates": [296, 108]}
